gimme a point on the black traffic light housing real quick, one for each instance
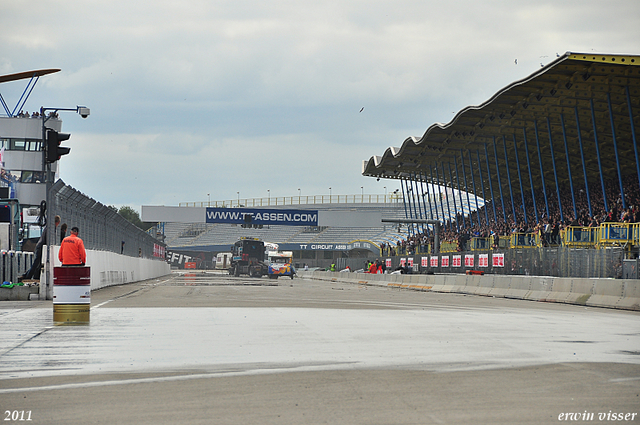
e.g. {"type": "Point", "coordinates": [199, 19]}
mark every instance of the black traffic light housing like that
{"type": "Point", "coordinates": [247, 221]}
{"type": "Point", "coordinates": [53, 149]}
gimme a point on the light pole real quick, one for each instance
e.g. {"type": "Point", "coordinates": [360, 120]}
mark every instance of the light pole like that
{"type": "Point", "coordinates": [209, 196]}
{"type": "Point", "coordinates": [238, 198]}
{"type": "Point", "coordinates": [268, 196]}
{"type": "Point", "coordinates": [385, 194]}
{"type": "Point", "coordinates": [48, 178]}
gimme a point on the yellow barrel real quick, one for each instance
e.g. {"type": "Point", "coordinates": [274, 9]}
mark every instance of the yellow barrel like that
{"type": "Point", "coordinates": [71, 314]}
{"type": "Point", "coordinates": [71, 295]}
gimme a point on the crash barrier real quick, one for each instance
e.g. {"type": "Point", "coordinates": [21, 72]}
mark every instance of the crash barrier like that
{"type": "Point", "coordinates": [71, 295]}
{"type": "Point", "coordinates": [610, 293]}
{"type": "Point", "coordinates": [14, 264]}
{"type": "Point", "coordinates": [109, 269]}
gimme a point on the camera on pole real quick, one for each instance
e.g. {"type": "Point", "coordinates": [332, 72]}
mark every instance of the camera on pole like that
{"type": "Point", "coordinates": [52, 146]}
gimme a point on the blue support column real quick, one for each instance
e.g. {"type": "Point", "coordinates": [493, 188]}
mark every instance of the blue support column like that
{"type": "Point", "coordinates": [584, 167]}
{"type": "Point", "coordinates": [544, 185]}
{"type": "Point", "coordinates": [434, 193]}
{"type": "Point", "coordinates": [446, 197]}
{"type": "Point", "coordinates": [515, 151]}
{"type": "Point", "coordinates": [473, 182]}
{"type": "Point", "coordinates": [466, 187]}
{"type": "Point", "coordinates": [533, 193]}
{"type": "Point", "coordinates": [615, 147]}
{"type": "Point", "coordinates": [455, 207]}
{"type": "Point", "coordinates": [404, 201]}
{"type": "Point", "coordinates": [464, 223]}
{"type": "Point", "coordinates": [493, 198]}
{"type": "Point", "coordinates": [416, 201]}
{"type": "Point", "coordinates": [425, 199]}
{"type": "Point", "coordinates": [486, 214]}
{"type": "Point", "coordinates": [633, 133]}
{"type": "Point", "coordinates": [555, 173]}
{"type": "Point", "coordinates": [428, 195]}
{"type": "Point", "coordinates": [595, 137]}
{"type": "Point", "coordinates": [566, 152]}
{"type": "Point", "coordinates": [424, 203]}
{"type": "Point", "coordinates": [506, 161]}
{"type": "Point", "coordinates": [495, 154]}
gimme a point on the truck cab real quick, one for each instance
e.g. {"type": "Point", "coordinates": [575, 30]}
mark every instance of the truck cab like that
{"type": "Point", "coordinates": [280, 264]}
{"type": "Point", "coordinates": [248, 258]}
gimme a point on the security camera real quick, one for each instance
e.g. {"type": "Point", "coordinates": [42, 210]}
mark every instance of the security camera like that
{"type": "Point", "coordinates": [83, 111]}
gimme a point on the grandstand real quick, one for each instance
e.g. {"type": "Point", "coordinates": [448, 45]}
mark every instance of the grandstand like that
{"type": "Point", "coordinates": [328, 241]}
{"type": "Point", "coordinates": [550, 162]}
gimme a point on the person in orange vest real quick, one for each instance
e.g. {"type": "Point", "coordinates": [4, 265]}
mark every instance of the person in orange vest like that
{"type": "Point", "coordinates": [72, 251]}
{"type": "Point", "coordinates": [374, 267]}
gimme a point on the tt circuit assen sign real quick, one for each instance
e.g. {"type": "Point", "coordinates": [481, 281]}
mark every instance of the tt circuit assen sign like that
{"type": "Point", "coordinates": [284, 217]}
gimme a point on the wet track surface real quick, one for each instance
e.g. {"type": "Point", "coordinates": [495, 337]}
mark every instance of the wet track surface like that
{"type": "Point", "coordinates": [242, 337]}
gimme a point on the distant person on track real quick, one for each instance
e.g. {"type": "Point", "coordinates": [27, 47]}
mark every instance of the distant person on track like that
{"type": "Point", "coordinates": [72, 252]}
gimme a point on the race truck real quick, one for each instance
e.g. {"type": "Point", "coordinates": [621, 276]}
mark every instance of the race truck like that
{"type": "Point", "coordinates": [247, 257]}
{"type": "Point", "coordinates": [280, 264]}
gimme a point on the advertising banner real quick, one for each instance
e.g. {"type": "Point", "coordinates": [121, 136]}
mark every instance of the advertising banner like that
{"type": "Point", "coordinates": [468, 260]}
{"type": "Point", "coordinates": [457, 260]}
{"type": "Point", "coordinates": [445, 261]}
{"type": "Point", "coordinates": [498, 260]}
{"type": "Point", "coordinates": [262, 216]}
{"type": "Point", "coordinates": [425, 262]}
{"type": "Point", "coordinates": [434, 261]}
{"type": "Point", "coordinates": [483, 260]}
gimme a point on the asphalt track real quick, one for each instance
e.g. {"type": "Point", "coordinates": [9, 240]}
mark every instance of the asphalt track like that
{"type": "Point", "coordinates": [215, 349]}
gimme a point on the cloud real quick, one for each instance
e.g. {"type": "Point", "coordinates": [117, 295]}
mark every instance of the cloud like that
{"type": "Point", "coordinates": [197, 97]}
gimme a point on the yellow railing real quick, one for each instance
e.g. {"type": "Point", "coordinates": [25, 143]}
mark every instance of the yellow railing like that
{"type": "Point", "coordinates": [525, 240]}
{"type": "Point", "coordinates": [481, 244]}
{"type": "Point", "coordinates": [580, 237]}
{"type": "Point", "coordinates": [448, 246]}
{"type": "Point", "coordinates": [615, 234]}
{"type": "Point", "coordinates": [275, 201]}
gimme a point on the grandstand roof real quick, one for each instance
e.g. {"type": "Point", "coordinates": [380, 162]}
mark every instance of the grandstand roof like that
{"type": "Point", "coordinates": [26, 74]}
{"type": "Point", "coordinates": [574, 89]}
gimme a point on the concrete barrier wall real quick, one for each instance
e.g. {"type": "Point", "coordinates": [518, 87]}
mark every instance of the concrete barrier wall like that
{"type": "Point", "coordinates": [109, 268]}
{"type": "Point", "coordinates": [610, 293]}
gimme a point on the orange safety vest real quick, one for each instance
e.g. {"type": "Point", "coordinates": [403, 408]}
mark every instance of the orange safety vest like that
{"type": "Point", "coordinates": [72, 251]}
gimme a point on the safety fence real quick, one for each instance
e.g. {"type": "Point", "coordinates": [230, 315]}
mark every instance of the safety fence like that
{"type": "Point", "coordinates": [551, 261]}
{"type": "Point", "coordinates": [392, 198]}
{"type": "Point", "coordinates": [101, 227]}
{"type": "Point", "coordinates": [607, 235]}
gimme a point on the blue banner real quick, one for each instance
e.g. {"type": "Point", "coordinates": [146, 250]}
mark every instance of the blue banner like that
{"type": "Point", "coordinates": [283, 217]}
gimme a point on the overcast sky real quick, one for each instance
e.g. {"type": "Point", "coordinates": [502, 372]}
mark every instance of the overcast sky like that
{"type": "Point", "coordinates": [217, 97]}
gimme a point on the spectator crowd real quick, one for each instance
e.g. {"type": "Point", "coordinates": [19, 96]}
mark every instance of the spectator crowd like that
{"type": "Point", "coordinates": [483, 223]}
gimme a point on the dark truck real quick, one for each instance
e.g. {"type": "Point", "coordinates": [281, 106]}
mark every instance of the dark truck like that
{"type": "Point", "coordinates": [247, 257]}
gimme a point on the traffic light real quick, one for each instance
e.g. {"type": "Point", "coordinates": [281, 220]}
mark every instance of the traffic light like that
{"type": "Point", "coordinates": [54, 150]}
{"type": "Point", "coordinates": [247, 221]}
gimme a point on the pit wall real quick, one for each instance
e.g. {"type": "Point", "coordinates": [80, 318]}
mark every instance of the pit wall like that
{"type": "Point", "coordinates": [610, 293]}
{"type": "Point", "coordinates": [109, 268]}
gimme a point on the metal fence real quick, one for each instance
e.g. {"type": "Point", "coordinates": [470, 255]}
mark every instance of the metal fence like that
{"type": "Point", "coordinates": [101, 228]}
{"type": "Point", "coordinates": [557, 262]}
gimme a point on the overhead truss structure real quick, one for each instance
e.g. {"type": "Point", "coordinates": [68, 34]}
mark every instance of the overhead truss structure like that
{"type": "Point", "coordinates": [567, 129]}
